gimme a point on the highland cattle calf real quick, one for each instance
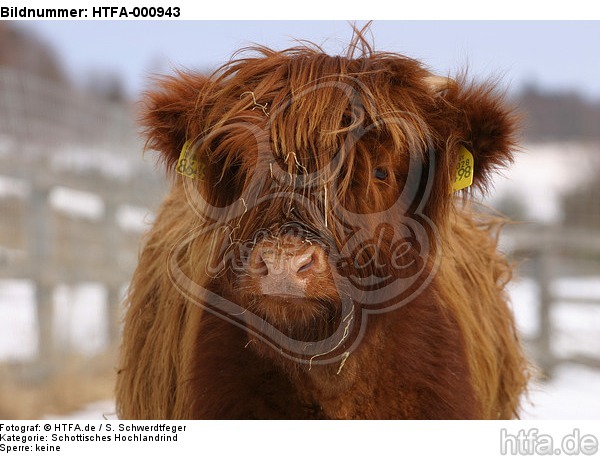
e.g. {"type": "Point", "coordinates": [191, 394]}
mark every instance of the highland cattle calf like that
{"type": "Point", "coordinates": [317, 256]}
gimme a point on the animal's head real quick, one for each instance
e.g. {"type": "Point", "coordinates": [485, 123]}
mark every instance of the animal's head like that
{"type": "Point", "coordinates": [321, 183]}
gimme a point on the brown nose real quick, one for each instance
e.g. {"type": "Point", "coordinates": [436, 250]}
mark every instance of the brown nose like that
{"type": "Point", "coordinates": [285, 269]}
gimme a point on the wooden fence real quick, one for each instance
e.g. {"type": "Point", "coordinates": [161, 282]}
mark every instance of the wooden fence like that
{"type": "Point", "coordinates": [547, 254]}
{"type": "Point", "coordinates": [52, 140]}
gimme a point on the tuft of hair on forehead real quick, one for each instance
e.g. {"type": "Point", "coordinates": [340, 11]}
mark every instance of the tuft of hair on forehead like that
{"type": "Point", "coordinates": [314, 99]}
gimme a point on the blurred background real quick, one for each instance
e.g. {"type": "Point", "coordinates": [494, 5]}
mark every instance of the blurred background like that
{"type": "Point", "coordinates": [76, 192]}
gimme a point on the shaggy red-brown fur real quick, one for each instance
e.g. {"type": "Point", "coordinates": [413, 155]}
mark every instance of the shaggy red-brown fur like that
{"type": "Point", "coordinates": [344, 163]}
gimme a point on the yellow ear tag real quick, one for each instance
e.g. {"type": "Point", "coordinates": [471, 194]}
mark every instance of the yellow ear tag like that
{"type": "Point", "coordinates": [464, 170]}
{"type": "Point", "coordinates": [187, 165]}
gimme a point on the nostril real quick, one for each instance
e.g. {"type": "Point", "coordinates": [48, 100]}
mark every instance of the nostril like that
{"type": "Point", "coordinates": [258, 265]}
{"type": "Point", "coordinates": [306, 266]}
{"type": "Point", "coordinates": [319, 261]}
{"type": "Point", "coordinates": [310, 260]}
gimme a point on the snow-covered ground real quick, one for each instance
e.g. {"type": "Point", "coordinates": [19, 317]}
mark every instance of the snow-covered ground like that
{"type": "Point", "coordinates": [79, 325]}
{"type": "Point", "coordinates": [572, 394]}
{"type": "Point", "coordinates": [101, 410]}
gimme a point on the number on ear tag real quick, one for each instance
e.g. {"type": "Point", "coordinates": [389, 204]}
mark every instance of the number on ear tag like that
{"type": "Point", "coordinates": [464, 170]}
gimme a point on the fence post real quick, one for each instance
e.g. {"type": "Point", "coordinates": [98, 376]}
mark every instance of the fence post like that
{"type": "Point", "coordinates": [112, 280]}
{"type": "Point", "coordinates": [40, 230]}
{"type": "Point", "coordinates": [543, 272]}
{"type": "Point", "coordinates": [114, 315]}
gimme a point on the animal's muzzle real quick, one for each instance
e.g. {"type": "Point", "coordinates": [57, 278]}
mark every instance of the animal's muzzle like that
{"type": "Point", "coordinates": [283, 266]}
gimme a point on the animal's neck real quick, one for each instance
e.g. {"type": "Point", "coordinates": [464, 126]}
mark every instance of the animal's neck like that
{"type": "Point", "coordinates": [420, 378]}
{"type": "Point", "coordinates": [332, 384]}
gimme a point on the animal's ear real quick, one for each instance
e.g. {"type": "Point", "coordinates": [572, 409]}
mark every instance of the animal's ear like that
{"type": "Point", "coordinates": [171, 114]}
{"type": "Point", "coordinates": [477, 117]}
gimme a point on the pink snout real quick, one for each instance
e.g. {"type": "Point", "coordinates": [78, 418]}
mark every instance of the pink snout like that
{"type": "Point", "coordinates": [285, 269]}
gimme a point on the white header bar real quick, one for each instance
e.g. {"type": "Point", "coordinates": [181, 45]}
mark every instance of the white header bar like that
{"type": "Point", "coordinates": [354, 10]}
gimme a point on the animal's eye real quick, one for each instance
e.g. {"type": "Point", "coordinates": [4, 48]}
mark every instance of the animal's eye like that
{"type": "Point", "coordinates": [234, 168]}
{"type": "Point", "coordinates": [380, 173]}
